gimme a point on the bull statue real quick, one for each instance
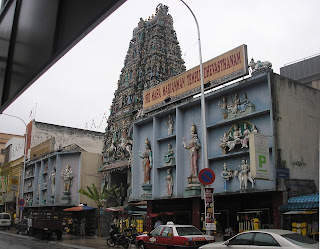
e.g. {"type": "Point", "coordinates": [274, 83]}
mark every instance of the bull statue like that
{"type": "Point", "coordinates": [258, 66]}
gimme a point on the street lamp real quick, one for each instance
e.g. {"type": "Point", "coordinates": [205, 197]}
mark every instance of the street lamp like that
{"type": "Point", "coordinates": [203, 107]}
{"type": "Point", "coordinates": [24, 160]}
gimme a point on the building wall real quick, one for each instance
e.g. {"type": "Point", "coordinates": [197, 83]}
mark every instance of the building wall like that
{"type": "Point", "coordinates": [258, 91]}
{"type": "Point", "coordinates": [84, 166]}
{"type": "Point", "coordinates": [88, 140]}
{"type": "Point", "coordinates": [89, 175]}
{"type": "Point", "coordinates": [17, 148]}
{"type": "Point", "coordinates": [4, 138]}
{"type": "Point", "coordinates": [297, 119]}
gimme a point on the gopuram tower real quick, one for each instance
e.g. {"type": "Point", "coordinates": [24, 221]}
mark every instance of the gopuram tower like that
{"type": "Point", "coordinates": [154, 55]}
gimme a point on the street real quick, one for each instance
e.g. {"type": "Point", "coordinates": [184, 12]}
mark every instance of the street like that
{"type": "Point", "coordinates": [9, 239]}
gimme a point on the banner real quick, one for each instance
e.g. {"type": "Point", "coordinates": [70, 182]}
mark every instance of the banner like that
{"type": "Point", "coordinates": [14, 182]}
{"type": "Point", "coordinates": [3, 184]}
{"type": "Point", "coordinates": [209, 209]}
{"type": "Point", "coordinates": [259, 156]}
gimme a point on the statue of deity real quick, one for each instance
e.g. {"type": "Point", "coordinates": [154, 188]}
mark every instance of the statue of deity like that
{"type": "Point", "coordinates": [169, 157]}
{"type": "Point", "coordinates": [170, 124]}
{"type": "Point", "coordinates": [226, 174]}
{"type": "Point", "coordinates": [169, 179]}
{"type": "Point", "coordinates": [147, 161]}
{"type": "Point", "coordinates": [52, 177]}
{"type": "Point", "coordinates": [193, 147]}
{"type": "Point", "coordinates": [67, 178]}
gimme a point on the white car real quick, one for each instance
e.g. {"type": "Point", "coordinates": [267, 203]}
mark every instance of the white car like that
{"type": "Point", "coordinates": [5, 220]}
{"type": "Point", "coordinates": [265, 239]}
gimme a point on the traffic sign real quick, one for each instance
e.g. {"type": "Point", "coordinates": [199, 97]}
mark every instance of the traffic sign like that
{"type": "Point", "coordinates": [21, 202]}
{"type": "Point", "coordinates": [207, 176]}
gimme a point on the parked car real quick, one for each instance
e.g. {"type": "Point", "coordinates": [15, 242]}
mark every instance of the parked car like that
{"type": "Point", "coordinates": [22, 227]}
{"type": "Point", "coordinates": [266, 238]}
{"type": "Point", "coordinates": [5, 220]}
{"type": "Point", "coordinates": [171, 235]}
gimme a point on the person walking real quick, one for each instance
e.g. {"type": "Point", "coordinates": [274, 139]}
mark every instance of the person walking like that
{"type": "Point", "coordinates": [83, 227]}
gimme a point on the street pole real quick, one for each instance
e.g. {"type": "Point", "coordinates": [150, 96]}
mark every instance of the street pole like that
{"type": "Point", "coordinates": [203, 107]}
{"type": "Point", "coordinates": [24, 165]}
{"type": "Point", "coordinates": [203, 110]}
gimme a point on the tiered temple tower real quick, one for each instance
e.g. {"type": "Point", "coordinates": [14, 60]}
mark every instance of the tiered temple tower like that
{"type": "Point", "coordinates": [154, 55]}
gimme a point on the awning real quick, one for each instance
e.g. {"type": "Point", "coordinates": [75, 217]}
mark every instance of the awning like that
{"type": "Point", "coordinates": [301, 212]}
{"type": "Point", "coordinates": [160, 214]}
{"type": "Point", "coordinates": [78, 208]}
{"type": "Point", "coordinates": [115, 209]}
{"type": "Point", "coordinates": [300, 203]}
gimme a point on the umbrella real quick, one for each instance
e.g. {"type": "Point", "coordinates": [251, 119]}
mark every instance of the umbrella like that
{"type": "Point", "coordinates": [78, 208]}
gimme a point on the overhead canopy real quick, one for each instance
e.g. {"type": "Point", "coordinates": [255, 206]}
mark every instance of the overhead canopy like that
{"type": "Point", "coordinates": [35, 34]}
{"type": "Point", "coordinates": [160, 214]}
{"type": "Point", "coordinates": [115, 209]}
{"type": "Point", "coordinates": [299, 203]}
{"type": "Point", "coordinates": [78, 208]}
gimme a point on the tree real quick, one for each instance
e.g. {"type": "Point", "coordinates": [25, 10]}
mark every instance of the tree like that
{"type": "Point", "coordinates": [93, 194]}
{"type": "Point", "coordinates": [111, 196]}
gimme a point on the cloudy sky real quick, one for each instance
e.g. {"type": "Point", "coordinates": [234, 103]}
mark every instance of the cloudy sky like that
{"type": "Point", "coordinates": [78, 90]}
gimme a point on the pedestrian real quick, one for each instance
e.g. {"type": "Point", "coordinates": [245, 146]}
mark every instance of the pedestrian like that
{"type": "Point", "coordinates": [70, 226]}
{"type": "Point", "coordinates": [158, 222]}
{"type": "Point", "coordinates": [83, 227]}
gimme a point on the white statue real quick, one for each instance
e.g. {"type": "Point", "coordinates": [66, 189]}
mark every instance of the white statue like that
{"type": "Point", "coordinates": [257, 66]}
{"type": "Point", "coordinates": [170, 124]}
{"type": "Point", "coordinates": [52, 177]}
{"type": "Point", "coordinates": [244, 174]}
{"type": "Point", "coordinates": [169, 179]}
{"type": "Point", "coordinates": [67, 177]}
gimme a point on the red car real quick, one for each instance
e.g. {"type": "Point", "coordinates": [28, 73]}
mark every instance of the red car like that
{"type": "Point", "coordinates": [173, 236]}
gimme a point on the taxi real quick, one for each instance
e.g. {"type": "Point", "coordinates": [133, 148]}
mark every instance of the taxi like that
{"type": "Point", "coordinates": [173, 236]}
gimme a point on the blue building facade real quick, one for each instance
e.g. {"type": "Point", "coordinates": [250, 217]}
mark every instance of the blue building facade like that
{"type": "Point", "coordinates": [232, 112]}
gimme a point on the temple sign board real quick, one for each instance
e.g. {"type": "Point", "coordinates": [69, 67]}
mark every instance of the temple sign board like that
{"type": "Point", "coordinates": [259, 156]}
{"type": "Point", "coordinates": [221, 69]}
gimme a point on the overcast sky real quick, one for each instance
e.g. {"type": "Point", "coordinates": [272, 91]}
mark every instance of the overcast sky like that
{"type": "Point", "coordinates": [78, 90]}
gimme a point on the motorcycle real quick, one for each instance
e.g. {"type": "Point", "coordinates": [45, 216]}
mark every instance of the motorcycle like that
{"type": "Point", "coordinates": [130, 235]}
{"type": "Point", "coordinates": [116, 239]}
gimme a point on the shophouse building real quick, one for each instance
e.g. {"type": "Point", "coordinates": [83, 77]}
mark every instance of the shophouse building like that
{"type": "Point", "coordinates": [51, 151]}
{"type": "Point", "coordinates": [262, 140]}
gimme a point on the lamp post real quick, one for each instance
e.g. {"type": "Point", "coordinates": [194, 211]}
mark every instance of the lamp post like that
{"type": "Point", "coordinates": [203, 107]}
{"type": "Point", "coordinates": [24, 161]}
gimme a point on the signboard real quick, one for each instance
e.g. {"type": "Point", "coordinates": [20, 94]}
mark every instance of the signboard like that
{"type": "Point", "coordinates": [21, 202]}
{"type": "Point", "coordinates": [282, 173]}
{"type": "Point", "coordinates": [224, 68]}
{"type": "Point", "coordinates": [207, 176]}
{"type": "Point", "coordinates": [209, 209]}
{"type": "Point", "coordinates": [259, 156]}
{"type": "Point", "coordinates": [14, 182]}
{"type": "Point", "coordinates": [3, 184]}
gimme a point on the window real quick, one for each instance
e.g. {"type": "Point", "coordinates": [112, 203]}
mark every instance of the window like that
{"type": "Point", "coordinates": [3, 151]}
{"type": "Point", "coordinates": [182, 231]}
{"type": "Point", "coordinates": [167, 232]}
{"type": "Point", "coordinates": [263, 239]}
{"type": "Point", "coordinates": [242, 239]}
{"type": "Point", "coordinates": [156, 232]}
{"type": "Point", "coordinates": [298, 239]}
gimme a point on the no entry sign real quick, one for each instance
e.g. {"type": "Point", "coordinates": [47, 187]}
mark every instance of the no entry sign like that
{"type": "Point", "coordinates": [207, 176]}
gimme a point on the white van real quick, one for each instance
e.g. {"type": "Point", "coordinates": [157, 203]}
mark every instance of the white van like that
{"type": "Point", "coordinates": [5, 220]}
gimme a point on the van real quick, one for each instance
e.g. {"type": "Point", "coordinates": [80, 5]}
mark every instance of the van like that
{"type": "Point", "coordinates": [5, 220]}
